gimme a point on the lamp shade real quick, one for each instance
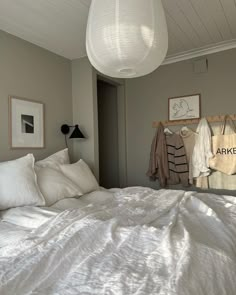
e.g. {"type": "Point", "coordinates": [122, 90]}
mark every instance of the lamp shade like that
{"type": "Point", "coordinates": [126, 38]}
{"type": "Point", "coordinates": [76, 133]}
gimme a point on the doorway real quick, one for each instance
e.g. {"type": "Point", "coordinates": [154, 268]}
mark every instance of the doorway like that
{"type": "Point", "coordinates": [107, 102]}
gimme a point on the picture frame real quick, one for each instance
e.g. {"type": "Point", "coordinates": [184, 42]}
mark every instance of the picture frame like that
{"type": "Point", "coordinates": [26, 123]}
{"type": "Point", "coordinates": [185, 107]}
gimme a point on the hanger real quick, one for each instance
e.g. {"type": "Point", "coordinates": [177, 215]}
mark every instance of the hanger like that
{"type": "Point", "coordinates": [185, 129]}
{"type": "Point", "coordinates": [167, 131]}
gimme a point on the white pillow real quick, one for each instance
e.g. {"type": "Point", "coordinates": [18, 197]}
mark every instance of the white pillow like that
{"type": "Point", "coordinates": [53, 161]}
{"type": "Point", "coordinates": [18, 184]}
{"type": "Point", "coordinates": [55, 186]}
{"type": "Point", "coordinates": [81, 174]}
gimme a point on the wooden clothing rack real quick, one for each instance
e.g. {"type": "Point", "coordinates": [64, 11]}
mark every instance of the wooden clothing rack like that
{"type": "Point", "coordinates": [210, 119]}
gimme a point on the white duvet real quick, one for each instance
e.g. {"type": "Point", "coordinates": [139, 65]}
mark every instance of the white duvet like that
{"type": "Point", "coordinates": [140, 242]}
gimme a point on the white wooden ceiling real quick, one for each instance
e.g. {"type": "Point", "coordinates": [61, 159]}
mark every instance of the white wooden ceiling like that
{"type": "Point", "coordinates": [56, 25]}
{"type": "Point", "coordinates": [196, 27]}
{"type": "Point", "coordinates": [200, 26]}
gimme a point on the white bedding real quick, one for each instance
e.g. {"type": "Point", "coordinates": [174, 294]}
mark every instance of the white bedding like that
{"type": "Point", "coordinates": [140, 242]}
{"type": "Point", "coordinates": [32, 217]}
{"type": "Point", "coordinates": [29, 217]}
{"type": "Point", "coordinates": [97, 198]}
{"type": "Point", "coordinates": [16, 222]}
{"type": "Point", "coordinates": [11, 233]}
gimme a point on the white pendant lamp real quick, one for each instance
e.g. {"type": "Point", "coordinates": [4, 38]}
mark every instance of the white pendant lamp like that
{"type": "Point", "coordinates": [126, 38]}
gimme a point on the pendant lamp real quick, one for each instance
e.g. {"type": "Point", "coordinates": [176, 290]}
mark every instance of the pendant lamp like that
{"type": "Point", "coordinates": [126, 38]}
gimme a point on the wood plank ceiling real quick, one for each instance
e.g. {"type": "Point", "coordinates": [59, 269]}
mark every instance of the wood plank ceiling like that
{"type": "Point", "coordinates": [59, 25]}
{"type": "Point", "coordinates": [193, 24]}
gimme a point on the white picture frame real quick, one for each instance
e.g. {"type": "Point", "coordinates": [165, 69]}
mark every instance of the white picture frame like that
{"type": "Point", "coordinates": [26, 123]}
{"type": "Point", "coordinates": [185, 107]}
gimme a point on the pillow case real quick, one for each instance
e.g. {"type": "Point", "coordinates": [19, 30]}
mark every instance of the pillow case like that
{"type": "Point", "coordinates": [18, 184]}
{"type": "Point", "coordinates": [59, 158]}
{"type": "Point", "coordinates": [55, 186]}
{"type": "Point", "coordinates": [81, 175]}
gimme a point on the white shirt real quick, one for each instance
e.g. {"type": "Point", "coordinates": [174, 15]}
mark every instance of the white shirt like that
{"type": "Point", "coordinates": [202, 150]}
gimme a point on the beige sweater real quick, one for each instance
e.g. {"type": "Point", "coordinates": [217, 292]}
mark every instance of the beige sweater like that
{"type": "Point", "coordinates": [188, 136]}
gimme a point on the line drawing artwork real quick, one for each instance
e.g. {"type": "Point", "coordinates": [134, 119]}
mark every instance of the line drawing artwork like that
{"type": "Point", "coordinates": [182, 109]}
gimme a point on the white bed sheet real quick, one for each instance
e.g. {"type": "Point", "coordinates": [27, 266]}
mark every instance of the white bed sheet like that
{"type": "Point", "coordinates": [28, 216]}
{"type": "Point", "coordinates": [33, 217]}
{"type": "Point", "coordinates": [96, 198]}
{"type": "Point", "coordinates": [15, 223]}
{"type": "Point", "coordinates": [141, 242]}
{"type": "Point", "coordinates": [11, 233]}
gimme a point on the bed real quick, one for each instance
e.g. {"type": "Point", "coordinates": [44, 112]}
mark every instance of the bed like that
{"type": "Point", "coordinates": [134, 240]}
{"type": "Point", "coordinates": [130, 241]}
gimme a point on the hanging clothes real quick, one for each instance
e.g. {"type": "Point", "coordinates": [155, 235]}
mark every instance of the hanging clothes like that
{"type": "Point", "coordinates": [188, 136]}
{"type": "Point", "coordinates": [158, 164]}
{"type": "Point", "coordinates": [177, 160]}
{"type": "Point", "coordinates": [202, 150]}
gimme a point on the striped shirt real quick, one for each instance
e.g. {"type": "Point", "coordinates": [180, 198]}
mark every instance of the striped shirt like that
{"type": "Point", "coordinates": [177, 160]}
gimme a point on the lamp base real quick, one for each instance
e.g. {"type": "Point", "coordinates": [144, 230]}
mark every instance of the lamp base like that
{"type": "Point", "coordinates": [65, 129]}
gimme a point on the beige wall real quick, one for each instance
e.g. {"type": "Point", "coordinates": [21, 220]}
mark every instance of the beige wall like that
{"type": "Point", "coordinates": [32, 72]}
{"type": "Point", "coordinates": [85, 112]}
{"type": "Point", "coordinates": [147, 100]}
{"type": "Point", "coordinates": [84, 93]}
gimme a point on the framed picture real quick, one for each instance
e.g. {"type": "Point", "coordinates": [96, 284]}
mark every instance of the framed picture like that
{"type": "Point", "coordinates": [26, 123]}
{"type": "Point", "coordinates": [184, 107]}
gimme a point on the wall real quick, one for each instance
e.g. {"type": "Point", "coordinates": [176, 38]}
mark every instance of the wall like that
{"type": "Point", "coordinates": [29, 71]}
{"type": "Point", "coordinates": [147, 101]}
{"type": "Point", "coordinates": [85, 112]}
{"type": "Point", "coordinates": [84, 94]}
{"type": "Point", "coordinates": [32, 72]}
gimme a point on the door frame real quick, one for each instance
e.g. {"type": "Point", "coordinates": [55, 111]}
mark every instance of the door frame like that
{"type": "Point", "coordinates": [121, 111]}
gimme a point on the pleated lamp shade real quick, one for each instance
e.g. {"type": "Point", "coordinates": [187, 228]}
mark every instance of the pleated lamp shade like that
{"type": "Point", "coordinates": [126, 38]}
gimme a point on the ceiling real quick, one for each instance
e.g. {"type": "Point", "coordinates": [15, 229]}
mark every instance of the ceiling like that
{"type": "Point", "coordinates": [196, 27]}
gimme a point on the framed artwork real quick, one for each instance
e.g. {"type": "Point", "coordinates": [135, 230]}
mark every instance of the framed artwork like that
{"type": "Point", "coordinates": [184, 107]}
{"type": "Point", "coordinates": [26, 123]}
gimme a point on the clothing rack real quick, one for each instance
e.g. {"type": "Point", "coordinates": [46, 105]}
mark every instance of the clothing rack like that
{"type": "Point", "coordinates": [210, 119]}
